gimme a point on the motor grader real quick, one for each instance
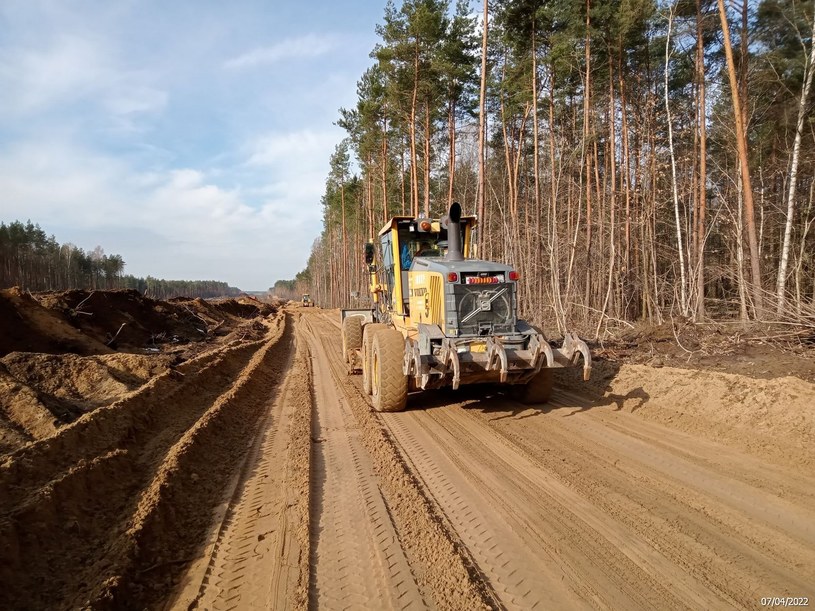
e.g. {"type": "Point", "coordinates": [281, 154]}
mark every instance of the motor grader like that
{"type": "Point", "coordinates": [441, 318]}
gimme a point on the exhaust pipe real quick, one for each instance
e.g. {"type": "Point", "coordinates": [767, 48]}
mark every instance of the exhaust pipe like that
{"type": "Point", "coordinates": [453, 220]}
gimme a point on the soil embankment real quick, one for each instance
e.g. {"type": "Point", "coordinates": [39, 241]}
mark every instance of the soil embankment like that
{"type": "Point", "coordinates": [63, 354]}
{"type": "Point", "coordinates": [118, 460]}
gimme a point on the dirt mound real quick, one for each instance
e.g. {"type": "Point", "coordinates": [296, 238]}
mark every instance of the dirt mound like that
{"type": "Point", "coordinates": [128, 321]}
{"type": "Point", "coordinates": [41, 392]}
{"type": "Point", "coordinates": [770, 418]}
{"type": "Point", "coordinates": [125, 319]}
{"type": "Point", "coordinates": [758, 350]}
{"type": "Point", "coordinates": [223, 315]}
{"type": "Point", "coordinates": [243, 307]}
{"type": "Point", "coordinates": [101, 514]}
{"type": "Point", "coordinates": [248, 332]}
{"type": "Point", "coordinates": [58, 350]}
{"type": "Point", "coordinates": [25, 325]}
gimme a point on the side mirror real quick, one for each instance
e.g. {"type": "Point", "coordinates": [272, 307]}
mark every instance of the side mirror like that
{"type": "Point", "coordinates": [369, 253]}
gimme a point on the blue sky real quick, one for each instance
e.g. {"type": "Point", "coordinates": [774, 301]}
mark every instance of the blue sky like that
{"type": "Point", "coordinates": [192, 137]}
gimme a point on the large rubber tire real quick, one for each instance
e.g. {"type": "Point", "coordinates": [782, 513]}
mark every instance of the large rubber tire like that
{"type": "Point", "coordinates": [368, 332]}
{"type": "Point", "coordinates": [351, 336]}
{"type": "Point", "coordinates": [537, 390]}
{"type": "Point", "coordinates": [388, 383]}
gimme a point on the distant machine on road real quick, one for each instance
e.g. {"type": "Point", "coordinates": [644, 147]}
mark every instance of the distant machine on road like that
{"type": "Point", "coordinates": [307, 301]}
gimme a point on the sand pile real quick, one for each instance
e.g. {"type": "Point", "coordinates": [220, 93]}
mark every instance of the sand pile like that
{"type": "Point", "coordinates": [39, 393]}
{"type": "Point", "coordinates": [765, 417]}
{"type": "Point", "coordinates": [25, 325]}
{"type": "Point", "coordinates": [63, 354]}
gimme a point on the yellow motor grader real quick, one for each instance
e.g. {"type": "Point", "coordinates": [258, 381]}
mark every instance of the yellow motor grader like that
{"type": "Point", "coordinates": [440, 318]}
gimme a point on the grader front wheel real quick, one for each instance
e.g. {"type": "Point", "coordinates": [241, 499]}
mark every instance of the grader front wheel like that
{"type": "Point", "coordinates": [388, 383]}
{"type": "Point", "coordinates": [368, 333]}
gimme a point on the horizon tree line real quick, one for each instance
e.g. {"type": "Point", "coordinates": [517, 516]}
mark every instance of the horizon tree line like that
{"type": "Point", "coordinates": [34, 261]}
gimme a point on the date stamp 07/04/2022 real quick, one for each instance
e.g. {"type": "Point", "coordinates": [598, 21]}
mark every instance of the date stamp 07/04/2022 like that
{"type": "Point", "coordinates": [784, 601]}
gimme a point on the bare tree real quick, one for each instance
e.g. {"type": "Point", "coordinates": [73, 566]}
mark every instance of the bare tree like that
{"type": "Point", "coordinates": [683, 291]}
{"type": "Point", "coordinates": [482, 127]}
{"type": "Point", "coordinates": [741, 145]}
{"type": "Point", "coordinates": [701, 117]}
{"type": "Point", "coordinates": [793, 179]}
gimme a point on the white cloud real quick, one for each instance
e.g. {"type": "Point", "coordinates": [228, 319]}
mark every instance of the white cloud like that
{"type": "Point", "coordinates": [305, 145]}
{"type": "Point", "coordinates": [69, 69]}
{"type": "Point", "coordinates": [175, 223]}
{"type": "Point", "coordinates": [33, 78]}
{"type": "Point", "coordinates": [133, 133]}
{"type": "Point", "coordinates": [297, 163]}
{"type": "Point", "coordinates": [131, 98]}
{"type": "Point", "coordinates": [310, 45]}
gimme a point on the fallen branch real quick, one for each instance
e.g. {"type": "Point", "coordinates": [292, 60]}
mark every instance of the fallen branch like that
{"type": "Point", "coordinates": [755, 322]}
{"type": "Point", "coordinates": [602, 314]}
{"type": "Point", "coordinates": [112, 339]}
{"type": "Point", "coordinates": [799, 334]}
{"type": "Point", "coordinates": [196, 316]}
{"type": "Point", "coordinates": [81, 303]}
{"type": "Point", "coordinates": [673, 328]}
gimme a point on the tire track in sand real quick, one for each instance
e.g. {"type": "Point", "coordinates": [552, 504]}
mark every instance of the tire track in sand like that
{"type": "Point", "coordinates": [444, 569]}
{"type": "Point", "coordinates": [357, 560]}
{"type": "Point", "coordinates": [730, 524]}
{"type": "Point", "coordinates": [520, 578]}
{"type": "Point", "coordinates": [258, 557]}
{"type": "Point", "coordinates": [98, 504]}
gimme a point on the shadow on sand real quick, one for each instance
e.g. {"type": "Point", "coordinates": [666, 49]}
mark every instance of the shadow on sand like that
{"type": "Point", "coordinates": [570, 393]}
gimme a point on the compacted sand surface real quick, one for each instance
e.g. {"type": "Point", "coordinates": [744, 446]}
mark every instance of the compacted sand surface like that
{"type": "Point", "coordinates": [246, 470]}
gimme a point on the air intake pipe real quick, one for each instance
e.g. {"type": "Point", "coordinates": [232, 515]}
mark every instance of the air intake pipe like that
{"type": "Point", "coordinates": [452, 221]}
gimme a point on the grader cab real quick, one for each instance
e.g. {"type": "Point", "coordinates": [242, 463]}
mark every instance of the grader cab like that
{"type": "Point", "coordinates": [441, 318]}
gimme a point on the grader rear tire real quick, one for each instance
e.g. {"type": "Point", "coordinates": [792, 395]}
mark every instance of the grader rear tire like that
{"type": "Point", "coordinates": [537, 390]}
{"type": "Point", "coordinates": [351, 336]}
{"type": "Point", "coordinates": [389, 385]}
{"type": "Point", "coordinates": [368, 333]}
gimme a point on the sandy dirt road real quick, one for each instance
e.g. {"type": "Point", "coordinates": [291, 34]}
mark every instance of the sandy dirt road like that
{"type": "Point", "coordinates": [256, 476]}
{"type": "Point", "coordinates": [470, 500]}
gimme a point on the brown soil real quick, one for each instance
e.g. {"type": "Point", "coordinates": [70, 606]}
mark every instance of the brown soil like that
{"type": "Point", "coordinates": [755, 350]}
{"type": "Point", "coordinates": [41, 392]}
{"type": "Point", "coordinates": [245, 469]}
{"type": "Point", "coordinates": [127, 321]}
{"type": "Point", "coordinates": [27, 326]}
{"type": "Point", "coordinates": [100, 512]}
{"type": "Point", "coordinates": [60, 355]}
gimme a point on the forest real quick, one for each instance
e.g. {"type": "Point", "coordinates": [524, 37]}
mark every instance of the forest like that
{"type": "Point", "coordinates": [633, 159]}
{"type": "Point", "coordinates": [34, 261]}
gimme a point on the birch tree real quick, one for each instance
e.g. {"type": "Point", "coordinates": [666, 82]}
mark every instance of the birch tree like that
{"type": "Point", "coordinates": [809, 69]}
